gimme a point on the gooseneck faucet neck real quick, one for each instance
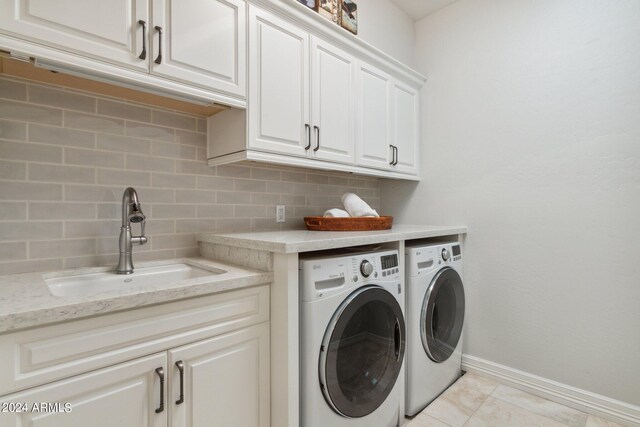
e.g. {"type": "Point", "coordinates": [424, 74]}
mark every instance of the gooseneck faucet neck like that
{"type": "Point", "coordinates": [131, 213]}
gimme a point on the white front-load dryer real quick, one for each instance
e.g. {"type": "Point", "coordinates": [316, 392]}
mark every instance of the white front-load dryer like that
{"type": "Point", "coordinates": [435, 315]}
{"type": "Point", "coordinates": [352, 340]}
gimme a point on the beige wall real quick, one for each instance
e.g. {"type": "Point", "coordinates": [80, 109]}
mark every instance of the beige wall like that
{"type": "Point", "coordinates": [531, 137]}
{"type": "Point", "coordinates": [66, 157]}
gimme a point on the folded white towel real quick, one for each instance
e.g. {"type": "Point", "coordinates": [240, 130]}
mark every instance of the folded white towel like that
{"type": "Point", "coordinates": [356, 206]}
{"type": "Point", "coordinates": [336, 213]}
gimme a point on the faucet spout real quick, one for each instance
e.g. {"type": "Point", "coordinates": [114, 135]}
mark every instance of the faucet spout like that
{"type": "Point", "coordinates": [131, 213]}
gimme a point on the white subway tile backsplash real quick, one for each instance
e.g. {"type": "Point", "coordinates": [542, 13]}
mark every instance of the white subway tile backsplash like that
{"type": "Point", "coordinates": [30, 113]}
{"type": "Point", "coordinates": [15, 230]}
{"type": "Point", "coordinates": [64, 166]}
{"type": "Point", "coordinates": [93, 122]}
{"type": "Point", "coordinates": [13, 170]}
{"type": "Point", "coordinates": [29, 191]}
{"type": "Point", "coordinates": [61, 248]}
{"type": "Point", "coordinates": [170, 180]}
{"type": "Point", "coordinates": [143, 130]}
{"type": "Point", "coordinates": [123, 144]}
{"type": "Point", "coordinates": [121, 177]}
{"type": "Point", "coordinates": [13, 251]}
{"type": "Point", "coordinates": [61, 211]}
{"type": "Point", "coordinates": [10, 89]}
{"type": "Point", "coordinates": [61, 136]}
{"type": "Point", "coordinates": [61, 173]}
{"type": "Point", "coordinates": [124, 110]}
{"type": "Point", "coordinates": [13, 130]}
{"type": "Point", "coordinates": [174, 120]}
{"type": "Point", "coordinates": [61, 98]}
{"type": "Point", "coordinates": [30, 152]}
{"type": "Point", "coordinates": [12, 210]}
{"type": "Point", "coordinates": [103, 159]}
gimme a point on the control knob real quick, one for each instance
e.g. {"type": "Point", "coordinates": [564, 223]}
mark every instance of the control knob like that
{"type": "Point", "coordinates": [366, 268]}
{"type": "Point", "coordinates": [445, 254]}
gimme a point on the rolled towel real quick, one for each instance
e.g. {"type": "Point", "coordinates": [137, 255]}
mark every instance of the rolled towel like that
{"type": "Point", "coordinates": [336, 213]}
{"type": "Point", "coordinates": [356, 206]}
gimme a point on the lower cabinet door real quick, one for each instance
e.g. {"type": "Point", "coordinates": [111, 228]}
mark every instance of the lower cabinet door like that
{"type": "Point", "coordinates": [124, 395]}
{"type": "Point", "coordinates": [225, 381]}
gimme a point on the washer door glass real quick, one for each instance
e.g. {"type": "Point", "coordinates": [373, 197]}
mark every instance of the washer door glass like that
{"type": "Point", "coordinates": [362, 352]}
{"type": "Point", "coordinates": [442, 315]}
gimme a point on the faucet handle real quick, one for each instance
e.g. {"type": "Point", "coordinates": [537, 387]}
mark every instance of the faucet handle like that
{"type": "Point", "coordinates": [141, 239]}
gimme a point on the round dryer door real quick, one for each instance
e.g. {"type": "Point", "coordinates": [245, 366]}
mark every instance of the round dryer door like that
{"type": "Point", "coordinates": [442, 315]}
{"type": "Point", "coordinates": [362, 352]}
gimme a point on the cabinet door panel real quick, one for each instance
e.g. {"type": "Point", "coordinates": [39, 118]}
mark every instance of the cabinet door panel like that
{"type": "Point", "coordinates": [106, 30]}
{"type": "Point", "coordinates": [333, 96]}
{"type": "Point", "coordinates": [203, 43]}
{"type": "Point", "coordinates": [406, 126]}
{"type": "Point", "coordinates": [226, 381]}
{"type": "Point", "coordinates": [125, 395]}
{"type": "Point", "coordinates": [279, 84]}
{"type": "Point", "coordinates": [374, 118]}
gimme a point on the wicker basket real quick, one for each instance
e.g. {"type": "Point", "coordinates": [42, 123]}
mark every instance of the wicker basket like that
{"type": "Point", "coordinates": [321, 223]}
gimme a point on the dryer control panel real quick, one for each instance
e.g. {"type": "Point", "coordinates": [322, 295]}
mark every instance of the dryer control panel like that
{"type": "Point", "coordinates": [326, 275]}
{"type": "Point", "coordinates": [422, 259]}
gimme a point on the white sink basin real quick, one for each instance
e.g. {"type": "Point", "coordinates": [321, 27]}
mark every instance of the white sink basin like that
{"type": "Point", "coordinates": [109, 281]}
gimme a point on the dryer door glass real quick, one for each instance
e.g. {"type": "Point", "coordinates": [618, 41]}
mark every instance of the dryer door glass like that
{"type": "Point", "coordinates": [442, 315]}
{"type": "Point", "coordinates": [362, 352]}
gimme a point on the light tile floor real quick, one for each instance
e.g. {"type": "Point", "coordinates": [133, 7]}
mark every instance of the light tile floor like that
{"type": "Point", "coordinates": [475, 401]}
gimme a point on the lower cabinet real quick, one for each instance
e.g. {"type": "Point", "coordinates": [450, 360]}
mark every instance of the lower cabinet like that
{"type": "Point", "coordinates": [199, 362]}
{"type": "Point", "coordinates": [222, 381]}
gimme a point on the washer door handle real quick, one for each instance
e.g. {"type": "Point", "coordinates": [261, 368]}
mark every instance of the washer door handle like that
{"type": "Point", "coordinates": [396, 339]}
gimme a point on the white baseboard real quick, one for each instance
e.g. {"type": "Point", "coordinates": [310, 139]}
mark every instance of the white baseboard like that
{"type": "Point", "coordinates": [582, 400]}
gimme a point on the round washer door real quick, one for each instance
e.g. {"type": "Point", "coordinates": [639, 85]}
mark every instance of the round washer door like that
{"type": "Point", "coordinates": [362, 352]}
{"type": "Point", "coordinates": [442, 315]}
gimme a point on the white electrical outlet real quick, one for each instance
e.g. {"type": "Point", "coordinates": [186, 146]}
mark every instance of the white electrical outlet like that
{"type": "Point", "coordinates": [280, 213]}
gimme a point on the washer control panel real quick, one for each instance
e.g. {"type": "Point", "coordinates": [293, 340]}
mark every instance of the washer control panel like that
{"type": "Point", "coordinates": [326, 275]}
{"type": "Point", "coordinates": [424, 258]}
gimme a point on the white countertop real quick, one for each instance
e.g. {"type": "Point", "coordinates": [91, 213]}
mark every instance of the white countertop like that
{"type": "Point", "coordinates": [294, 241]}
{"type": "Point", "coordinates": [25, 299]}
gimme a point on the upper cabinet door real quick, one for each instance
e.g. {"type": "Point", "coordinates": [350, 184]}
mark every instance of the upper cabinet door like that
{"type": "Point", "coordinates": [203, 43]}
{"type": "Point", "coordinates": [225, 381]}
{"type": "Point", "coordinates": [373, 132]}
{"type": "Point", "coordinates": [406, 125]}
{"type": "Point", "coordinates": [105, 30]}
{"type": "Point", "coordinates": [333, 102]}
{"type": "Point", "coordinates": [278, 85]}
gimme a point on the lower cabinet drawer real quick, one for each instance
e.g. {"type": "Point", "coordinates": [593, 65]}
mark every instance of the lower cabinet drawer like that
{"type": "Point", "coordinates": [37, 356]}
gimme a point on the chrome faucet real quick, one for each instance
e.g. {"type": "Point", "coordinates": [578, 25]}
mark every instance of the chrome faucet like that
{"type": "Point", "coordinates": [131, 213]}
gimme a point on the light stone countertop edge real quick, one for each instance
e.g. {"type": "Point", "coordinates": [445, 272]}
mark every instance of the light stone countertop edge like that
{"type": "Point", "coordinates": [25, 300]}
{"type": "Point", "coordinates": [296, 241]}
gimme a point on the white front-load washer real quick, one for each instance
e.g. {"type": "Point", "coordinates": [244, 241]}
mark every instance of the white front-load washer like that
{"type": "Point", "coordinates": [352, 340]}
{"type": "Point", "coordinates": [435, 315]}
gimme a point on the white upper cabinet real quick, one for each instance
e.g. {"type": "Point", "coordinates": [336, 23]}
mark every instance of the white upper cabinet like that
{"type": "Point", "coordinates": [108, 30]}
{"type": "Point", "coordinates": [373, 131]}
{"type": "Point", "coordinates": [406, 109]}
{"type": "Point", "coordinates": [279, 85]}
{"type": "Point", "coordinates": [332, 102]}
{"type": "Point", "coordinates": [203, 43]}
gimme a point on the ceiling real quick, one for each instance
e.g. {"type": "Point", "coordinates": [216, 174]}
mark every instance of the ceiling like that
{"type": "Point", "coordinates": [417, 9]}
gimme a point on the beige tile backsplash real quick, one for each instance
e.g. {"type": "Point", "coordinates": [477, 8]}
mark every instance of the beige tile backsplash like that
{"type": "Point", "coordinates": [67, 156]}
